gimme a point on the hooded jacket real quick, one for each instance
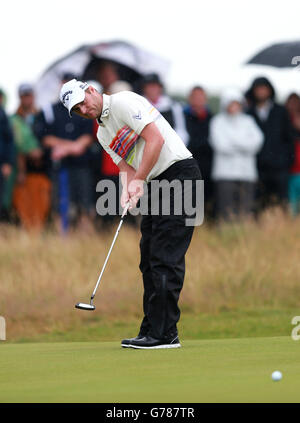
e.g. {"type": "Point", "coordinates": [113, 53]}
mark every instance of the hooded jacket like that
{"type": "Point", "coordinates": [235, 140]}
{"type": "Point", "coordinates": [277, 153]}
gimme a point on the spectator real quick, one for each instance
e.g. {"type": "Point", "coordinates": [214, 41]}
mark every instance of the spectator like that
{"type": "Point", "coordinates": [107, 75]}
{"type": "Point", "coordinates": [198, 116]}
{"type": "Point", "coordinates": [293, 107]}
{"type": "Point", "coordinates": [153, 90]}
{"type": "Point", "coordinates": [6, 195]}
{"type": "Point", "coordinates": [235, 139]}
{"type": "Point", "coordinates": [30, 185]}
{"type": "Point", "coordinates": [6, 151]}
{"type": "Point", "coordinates": [118, 86]}
{"type": "Point", "coordinates": [2, 98]}
{"type": "Point", "coordinates": [276, 156]}
{"type": "Point", "coordinates": [68, 142]}
{"type": "Point", "coordinates": [27, 107]}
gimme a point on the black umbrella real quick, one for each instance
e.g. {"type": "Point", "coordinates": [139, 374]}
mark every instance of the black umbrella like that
{"type": "Point", "coordinates": [281, 55]}
{"type": "Point", "coordinates": [132, 63]}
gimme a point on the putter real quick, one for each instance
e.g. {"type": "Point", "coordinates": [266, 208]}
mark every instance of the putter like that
{"type": "Point", "coordinates": [91, 307]}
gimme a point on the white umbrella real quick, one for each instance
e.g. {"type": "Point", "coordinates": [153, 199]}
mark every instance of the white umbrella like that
{"type": "Point", "coordinates": [133, 62]}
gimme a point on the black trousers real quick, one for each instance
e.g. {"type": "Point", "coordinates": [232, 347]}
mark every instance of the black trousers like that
{"type": "Point", "coordinates": [234, 199]}
{"type": "Point", "coordinates": [164, 243]}
{"type": "Point", "coordinates": [272, 188]}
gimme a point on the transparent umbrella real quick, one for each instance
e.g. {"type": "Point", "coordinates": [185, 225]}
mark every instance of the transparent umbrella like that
{"type": "Point", "coordinates": [132, 62]}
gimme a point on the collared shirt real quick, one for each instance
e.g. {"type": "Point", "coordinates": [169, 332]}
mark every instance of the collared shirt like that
{"type": "Point", "coordinates": [123, 118]}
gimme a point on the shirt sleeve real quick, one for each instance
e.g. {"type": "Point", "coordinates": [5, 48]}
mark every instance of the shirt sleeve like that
{"type": "Point", "coordinates": [135, 111]}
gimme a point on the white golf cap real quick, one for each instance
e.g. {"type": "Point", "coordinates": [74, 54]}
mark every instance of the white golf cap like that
{"type": "Point", "coordinates": [72, 93]}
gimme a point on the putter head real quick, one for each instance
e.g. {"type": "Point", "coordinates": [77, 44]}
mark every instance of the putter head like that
{"type": "Point", "coordinates": [83, 306]}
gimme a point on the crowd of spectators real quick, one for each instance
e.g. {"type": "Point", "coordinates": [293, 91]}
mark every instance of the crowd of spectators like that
{"type": "Point", "coordinates": [248, 153]}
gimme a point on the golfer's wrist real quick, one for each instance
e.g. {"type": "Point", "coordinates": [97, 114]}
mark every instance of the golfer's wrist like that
{"type": "Point", "coordinates": [139, 176]}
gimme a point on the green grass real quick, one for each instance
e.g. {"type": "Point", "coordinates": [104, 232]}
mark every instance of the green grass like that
{"type": "Point", "coordinates": [240, 295]}
{"type": "Point", "coordinates": [227, 324]}
{"type": "Point", "coordinates": [223, 370]}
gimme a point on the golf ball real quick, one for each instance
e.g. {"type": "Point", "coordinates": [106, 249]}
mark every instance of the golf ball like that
{"type": "Point", "coordinates": [276, 375]}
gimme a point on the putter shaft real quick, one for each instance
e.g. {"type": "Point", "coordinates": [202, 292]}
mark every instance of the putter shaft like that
{"type": "Point", "coordinates": [111, 247]}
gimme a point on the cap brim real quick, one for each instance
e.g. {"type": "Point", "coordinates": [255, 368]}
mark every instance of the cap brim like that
{"type": "Point", "coordinates": [77, 97]}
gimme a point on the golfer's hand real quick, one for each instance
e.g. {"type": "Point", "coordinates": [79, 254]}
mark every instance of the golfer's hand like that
{"type": "Point", "coordinates": [124, 198]}
{"type": "Point", "coordinates": [135, 191]}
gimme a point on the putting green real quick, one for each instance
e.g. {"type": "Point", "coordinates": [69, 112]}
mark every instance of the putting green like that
{"type": "Point", "coordinates": [226, 370]}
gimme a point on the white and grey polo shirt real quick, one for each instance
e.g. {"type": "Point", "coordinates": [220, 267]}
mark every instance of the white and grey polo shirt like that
{"type": "Point", "coordinates": [124, 116]}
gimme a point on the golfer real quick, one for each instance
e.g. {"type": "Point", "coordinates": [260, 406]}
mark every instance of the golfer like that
{"type": "Point", "coordinates": [146, 149]}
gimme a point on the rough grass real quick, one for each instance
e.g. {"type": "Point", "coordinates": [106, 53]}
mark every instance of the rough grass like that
{"type": "Point", "coordinates": [245, 266]}
{"type": "Point", "coordinates": [222, 325]}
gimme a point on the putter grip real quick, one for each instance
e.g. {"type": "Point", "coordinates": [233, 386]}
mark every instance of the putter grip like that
{"type": "Point", "coordinates": [125, 209]}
